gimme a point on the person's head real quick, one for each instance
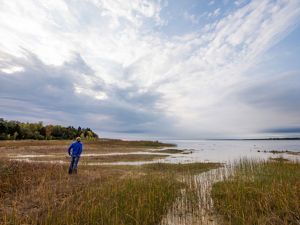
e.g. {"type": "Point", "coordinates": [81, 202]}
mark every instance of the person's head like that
{"type": "Point", "coordinates": [78, 139]}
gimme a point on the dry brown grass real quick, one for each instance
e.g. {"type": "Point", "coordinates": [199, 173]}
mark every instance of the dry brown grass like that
{"type": "Point", "coordinates": [99, 143]}
{"type": "Point", "coordinates": [123, 158]}
{"type": "Point", "coordinates": [45, 194]}
{"type": "Point", "coordinates": [95, 158]}
{"type": "Point", "coordinates": [42, 193]}
{"type": "Point", "coordinates": [60, 146]}
{"type": "Point", "coordinates": [27, 191]}
{"type": "Point", "coordinates": [54, 150]}
{"type": "Point", "coordinates": [170, 151]}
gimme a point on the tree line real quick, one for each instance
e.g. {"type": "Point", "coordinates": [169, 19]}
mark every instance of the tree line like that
{"type": "Point", "coordinates": [15, 130]}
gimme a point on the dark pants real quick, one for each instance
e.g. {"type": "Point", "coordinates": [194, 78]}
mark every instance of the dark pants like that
{"type": "Point", "coordinates": [73, 164]}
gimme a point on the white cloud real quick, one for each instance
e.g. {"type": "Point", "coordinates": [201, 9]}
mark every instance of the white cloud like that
{"type": "Point", "coordinates": [130, 10]}
{"type": "Point", "coordinates": [239, 2]}
{"type": "Point", "coordinates": [214, 13]}
{"type": "Point", "coordinates": [191, 17]}
{"type": "Point", "coordinates": [191, 73]}
{"type": "Point", "coordinates": [12, 69]}
{"type": "Point", "coordinates": [211, 2]}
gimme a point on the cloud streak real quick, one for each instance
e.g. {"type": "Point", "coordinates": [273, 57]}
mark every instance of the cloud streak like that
{"type": "Point", "coordinates": [113, 66]}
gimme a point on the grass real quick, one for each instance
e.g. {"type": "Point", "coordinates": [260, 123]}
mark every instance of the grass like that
{"type": "Point", "coordinates": [279, 159]}
{"type": "Point", "coordinates": [44, 194]}
{"type": "Point", "coordinates": [56, 150]}
{"type": "Point", "coordinates": [98, 142]}
{"type": "Point", "coordinates": [190, 168]}
{"type": "Point", "coordinates": [286, 152]}
{"type": "Point", "coordinates": [260, 193]}
{"type": "Point", "coordinates": [170, 151]}
{"type": "Point", "coordinates": [61, 146]}
{"type": "Point", "coordinates": [133, 143]}
{"type": "Point", "coordinates": [281, 152]}
{"type": "Point", "coordinates": [15, 176]}
{"type": "Point", "coordinates": [98, 158]}
{"type": "Point", "coordinates": [132, 201]}
{"type": "Point", "coordinates": [36, 193]}
{"type": "Point", "coordinates": [123, 158]}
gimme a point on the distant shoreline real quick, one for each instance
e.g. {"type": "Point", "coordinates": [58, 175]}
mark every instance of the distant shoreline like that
{"type": "Point", "coordinates": [234, 139]}
{"type": "Point", "coordinates": [254, 139]}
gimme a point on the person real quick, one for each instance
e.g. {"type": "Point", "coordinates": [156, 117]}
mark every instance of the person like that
{"type": "Point", "coordinates": [75, 151]}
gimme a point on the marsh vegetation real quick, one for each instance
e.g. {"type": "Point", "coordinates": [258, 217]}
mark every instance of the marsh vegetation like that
{"type": "Point", "coordinates": [153, 193]}
{"type": "Point", "coordinates": [43, 193]}
{"type": "Point", "coordinates": [260, 192]}
{"type": "Point", "coordinates": [33, 193]}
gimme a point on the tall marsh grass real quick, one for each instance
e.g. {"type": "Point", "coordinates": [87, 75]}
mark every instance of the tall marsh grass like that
{"type": "Point", "coordinates": [45, 194]}
{"type": "Point", "coordinates": [133, 201]}
{"type": "Point", "coordinates": [265, 192]}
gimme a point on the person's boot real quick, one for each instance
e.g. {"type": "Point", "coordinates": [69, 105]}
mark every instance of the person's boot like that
{"type": "Point", "coordinates": [75, 171]}
{"type": "Point", "coordinates": [70, 171]}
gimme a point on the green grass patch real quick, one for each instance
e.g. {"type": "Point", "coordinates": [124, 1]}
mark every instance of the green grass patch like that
{"type": "Point", "coordinates": [260, 193]}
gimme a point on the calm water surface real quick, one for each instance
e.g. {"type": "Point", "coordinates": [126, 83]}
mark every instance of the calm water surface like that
{"type": "Point", "coordinates": [227, 151]}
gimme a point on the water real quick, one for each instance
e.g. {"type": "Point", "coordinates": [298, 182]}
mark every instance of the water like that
{"type": "Point", "coordinates": [185, 212]}
{"type": "Point", "coordinates": [231, 150]}
{"type": "Point", "coordinates": [181, 212]}
{"type": "Point", "coordinates": [197, 151]}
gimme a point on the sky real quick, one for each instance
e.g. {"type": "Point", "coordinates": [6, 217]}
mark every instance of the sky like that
{"type": "Point", "coordinates": [153, 69]}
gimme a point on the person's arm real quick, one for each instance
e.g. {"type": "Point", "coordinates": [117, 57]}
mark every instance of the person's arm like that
{"type": "Point", "coordinates": [80, 149]}
{"type": "Point", "coordinates": [69, 149]}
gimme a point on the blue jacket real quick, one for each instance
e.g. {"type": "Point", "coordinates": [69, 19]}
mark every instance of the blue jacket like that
{"type": "Point", "coordinates": [76, 147]}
